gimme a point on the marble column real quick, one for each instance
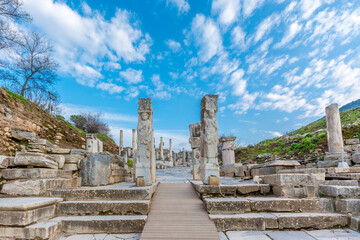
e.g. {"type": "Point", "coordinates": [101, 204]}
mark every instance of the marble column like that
{"type": "Point", "coordinates": [153, 159]}
{"type": "Point", "coordinates": [133, 142]}
{"type": "Point", "coordinates": [227, 150]}
{"type": "Point", "coordinates": [144, 143]}
{"type": "Point", "coordinates": [170, 151]}
{"type": "Point", "coordinates": [209, 139]}
{"type": "Point", "coordinates": [183, 157]}
{"type": "Point", "coordinates": [333, 124]}
{"type": "Point", "coordinates": [121, 147]}
{"type": "Point", "coordinates": [161, 147]}
{"type": "Point", "coordinates": [194, 141]}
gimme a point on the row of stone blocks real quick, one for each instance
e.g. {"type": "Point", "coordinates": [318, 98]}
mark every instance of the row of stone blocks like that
{"type": "Point", "coordinates": [92, 212]}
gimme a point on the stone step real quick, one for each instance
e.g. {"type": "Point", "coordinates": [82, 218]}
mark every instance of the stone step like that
{"type": "Point", "coordinates": [265, 221]}
{"type": "Point", "coordinates": [137, 207]}
{"type": "Point", "coordinates": [34, 173]}
{"type": "Point", "coordinates": [339, 191]}
{"type": "Point", "coordinates": [348, 205]}
{"type": "Point", "coordinates": [102, 224]}
{"type": "Point", "coordinates": [37, 187]}
{"type": "Point", "coordinates": [236, 189]}
{"type": "Point", "coordinates": [119, 191]}
{"type": "Point", "coordinates": [267, 204]}
{"type": "Point", "coordinates": [24, 211]}
{"type": "Point", "coordinates": [40, 230]}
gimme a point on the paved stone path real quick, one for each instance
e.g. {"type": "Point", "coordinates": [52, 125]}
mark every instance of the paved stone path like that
{"type": "Point", "coordinates": [177, 213]}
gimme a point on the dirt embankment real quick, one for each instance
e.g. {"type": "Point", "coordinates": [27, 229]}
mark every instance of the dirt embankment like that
{"type": "Point", "coordinates": [17, 113]}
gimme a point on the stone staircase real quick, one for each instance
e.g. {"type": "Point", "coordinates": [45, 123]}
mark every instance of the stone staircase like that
{"type": "Point", "coordinates": [118, 208]}
{"type": "Point", "coordinates": [265, 213]}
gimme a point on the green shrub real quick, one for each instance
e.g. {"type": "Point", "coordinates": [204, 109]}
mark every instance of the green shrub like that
{"type": "Point", "coordinates": [130, 163]}
{"type": "Point", "coordinates": [59, 117]}
{"type": "Point", "coordinates": [314, 139]}
{"type": "Point", "coordinates": [322, 135]}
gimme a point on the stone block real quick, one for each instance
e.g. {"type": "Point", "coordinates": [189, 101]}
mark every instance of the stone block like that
{"type": "Point", "coordinates": [23, 218]}
{"type": "Point", "coordinates": [140, 182]}
{"type": "Point", "coordinates": [356, 158]}
{"type": "Point", "coordinates": [279, 180]}
{"type": "Point", "coordinates": [73, 158]}
{"type": "Point", "coordinates": [40, 230]}
{"type": "Point", "coordinates": [34, 187]}
{"type": "Point", "coordinates": [35, 159]}
{"type": "Point", "coordinates": [239, 170]}
{"type": "Point", "coordinates": [21, 135]}
{"type": "Point", "coordinates": [4, 162]}
{"type": "Point", "coordinates": [214, 180]}
{"type": "Point", "coordinates": [339, 191]}
{"type": "Point", "coordinates": [318, 173]}
{"type": "Point", "coordinates": [59, 151]}
{"type": "Point", "coordinates": [60, 159]}
{"type": "Point", "coordinates": [228, 170]}
{"type": "Point", "coordinates": [70, 167]}
{"type": "Point", "coordinates": [81, 152]}
{"type": "Point", "coordinates": [352, 141]}
{"type": "Point", "coordinates": [355, 222]}
{"type": "Point", "coordinates": [36, 142]}
{"type": "Point", "coordinates": [348, 205]}
{"type": "Point", "coordinates": [341, 182]}
{"type": "Point", "coordinates": [227, 205]}
{"type": "Point", "coordinates": [332, 156]}
{"type": "Point", "coordinates": [95, 170]}
{"type": "Point", "coordinates": [29, 173]}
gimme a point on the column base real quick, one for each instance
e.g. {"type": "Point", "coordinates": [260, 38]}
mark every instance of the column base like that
{"type": "Point", "coordinates": [208, 170]}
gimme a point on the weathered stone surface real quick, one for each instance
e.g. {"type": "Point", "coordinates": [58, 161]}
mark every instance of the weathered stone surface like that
{"type": "Point", "coordinates": [34, 187]}
{"type": "Point", "coordinates": [352, 141]}
{"type": "Point", "coordinates": [60, 159]}
{"type": "Point", "coordinates": [22, 135]}
{"type": "Point", "coordinates": [356, 158]}
{"type": "Point", "coordinates": [4, 162]}
{"type": "Point", "coordinates": [195, 143]}
{"type": "Point", "coordinates": [23, 218]}
{"type": "Point", "coordinates": [73, 158]}
{"type": "Point", "coordinates": [32, 173]}
{"type": "Point", "coordinates": [93, 144]}
{"type": "Point", "coordinates": [228, 154]}
{"type": "Point", "coordinates": [355, 222]}
{"type": "Point", "coordinates": [59, 151]}
{"type": "Point", "coordinates": [227, 205]}
{"type": "Point", "coordinates": [336, 156]}
{"type": "Point", "coordinates": [239, 170]}
{"type": "Point", "coordinates": [128, 192]}
{"type": "Point", "coordinates": [341, 182]}
{"type": "Point", "coordinates": [103, 224]}
{"type": "Point", "coordinates": [209, 137]}
{"type": "Point", "coordinates": [36, 142]}
{"type": "Point", "coordinates": [289, 179]}
{"type": "Point", "coordinates": [40, 230]}
{"type": "Point", "coordinates": [95, 170]}
{"type": "Point", "coordinates": [70, 167]}
{"type": "Point", "coordinates": [26, 203]}
{"type": "Point", "coordinates": [81, 152]}
{"type": "Point", "coordinates": [310, 220]}
{"type": "Point", "coordinates": [138, 207]}
{"type": "Point", "coordinates": [232, 189]}
{"type": "Point", "coordinates": [35, 159]}
{"type": "Point", "coordinates": [333, 127]}
{"type": "Point", "coordinates": [348, 205]}
{"type": "Point", "coordinates": [339, 191]}
{"type": "Point", "coordinates": [144, 140]}
{"type": "Point", "coordinates": [319, 173]}
{"type": "Point", "coordinates": [331, 163]}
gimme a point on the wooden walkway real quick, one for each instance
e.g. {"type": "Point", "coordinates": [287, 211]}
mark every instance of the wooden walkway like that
{"type": "Point", "coordinates": [176, 212]}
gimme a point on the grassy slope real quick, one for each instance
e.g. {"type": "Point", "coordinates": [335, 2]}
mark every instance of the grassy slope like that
{"type": "Point", "coordinates": [303, 143]}
{"type": "Point", "coordinates": [72, 136]}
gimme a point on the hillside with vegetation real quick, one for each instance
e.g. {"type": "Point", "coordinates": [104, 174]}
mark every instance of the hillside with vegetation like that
{"type": "Point", "coordinates": [308, 143]}
{"type": "Point", "coordinates": [18, 113]}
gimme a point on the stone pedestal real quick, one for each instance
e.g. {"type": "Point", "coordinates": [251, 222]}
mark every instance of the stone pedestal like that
{"type": "Point", "coordinates": [195, 147]}
{"type": "Point", "coordinates": [228, 154]}
{"type": "Point", "coordinates": [333, 124]}
{"type": "Point", "coordinates": [144, 141]}
{"type": "Point", "coordinates": [93, 144]}
{"type": "Point", "coordinates": [209, 138]}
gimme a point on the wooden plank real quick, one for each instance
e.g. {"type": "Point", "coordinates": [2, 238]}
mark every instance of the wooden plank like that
{"type": "Point", "coordinates": [176, 212]}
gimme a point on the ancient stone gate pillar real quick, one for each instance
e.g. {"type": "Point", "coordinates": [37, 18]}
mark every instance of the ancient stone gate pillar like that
{"type": "Point", "coordinates": [153, 158]}
{"type": "Point", "coordinates": [209, 138]}
{"type": "Point", "coordinates": [333, 124]}
{"type": "Point", "coordinates": [194, 141]}
{"type": "Point", "coordinates": [144, 143]}
{"type": "Point", "coordinates": [183, 157]}
{"type": "Point", "coordinates": [228, 154]}
{"type": "Point", "coordinates": [170, 151]}
{"type": "Point", "coordinates": [161, 149]}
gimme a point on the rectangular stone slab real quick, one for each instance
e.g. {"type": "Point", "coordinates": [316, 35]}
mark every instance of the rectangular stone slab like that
{"type": "Point", "coordinates": [29, 173]}
{"type": "Point", "coordinates": [26, 203]}
{"type": "Point", "coordinates": [41, 230]}
{"type": "Point", "coordinates": [35, 159]}
{"type": "Point", "coordinates": [24, 218]}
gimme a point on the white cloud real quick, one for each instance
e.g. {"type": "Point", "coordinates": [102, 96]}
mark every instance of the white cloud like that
{"type": "Point", "coordinates": [250, 5]}
{"type": "Point", "coordinates": [309, 7]}
{"type": "Point", "coordinates": [227, 10]}
{"type": "Point", "coordinates": [238, 38]}
{"type": "Point", "coordinates": [264, 47]}
{"type": "Point", "coordinates": [207, 37]}
{"type": "Point", "coordinates": [293, 30]}
{"type": "Point", "coordinates": [173, 45]}
{"type": "Point", "coordinates": [132, 76]}
{"type": "Point", "coordinates": [244, 103]}
{"type": "Point", "coordinates": [274, 134]}
{"type": "Point", "coordinates": [86, 44]}
{"type": "Point", "coordinates": [266, 26]}
{"type": "Point", "coordinates": [110, 87]}
{"type": "Point", "coordinates": [182, 5]}
{"type": "Point", "coordinates": [238, 83]}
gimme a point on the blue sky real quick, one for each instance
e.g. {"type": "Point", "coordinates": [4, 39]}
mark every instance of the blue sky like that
{"type": "Point", "coordinates": [274, 64]}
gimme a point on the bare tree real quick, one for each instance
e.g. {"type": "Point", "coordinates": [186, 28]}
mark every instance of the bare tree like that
{"type": "Point", "coordinates": [90, 122]}
{"type": "Point", "coordinates": [31, 70]}
{"type": "Point", "coordinates": [10, 11]}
